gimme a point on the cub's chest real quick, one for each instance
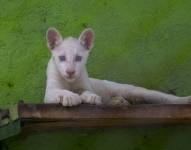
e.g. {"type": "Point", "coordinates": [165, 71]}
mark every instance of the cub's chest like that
{"type": "Point", "coordinates": [77, 89]}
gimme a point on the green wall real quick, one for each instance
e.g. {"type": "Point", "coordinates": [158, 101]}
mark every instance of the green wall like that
{"type": "Point", "coordinates": [141, 42]}
{"type": "Point", "coordinates": [161, 138]}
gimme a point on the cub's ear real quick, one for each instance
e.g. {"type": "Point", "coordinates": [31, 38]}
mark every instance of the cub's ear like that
{"type": "Point", "coordinates": [87, 38]}
{"type": "Point", "coordinates": [53, 38]}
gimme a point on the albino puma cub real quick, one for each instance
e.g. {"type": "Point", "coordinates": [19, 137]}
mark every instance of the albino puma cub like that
{"type": "Point", "coordinates": [68, 82]}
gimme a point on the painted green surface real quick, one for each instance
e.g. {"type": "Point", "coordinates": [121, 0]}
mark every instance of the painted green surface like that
{"type": "Point", "coordinates": [142, 42]}
{"type": "Point", "coordinates": [10, 125]}
{"type": "Point", "coordinates": [161, 138]}
{"type": "Point", "coordinates": [9, 130]}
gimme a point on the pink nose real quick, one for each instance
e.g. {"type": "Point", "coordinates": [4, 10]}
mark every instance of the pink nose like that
{"type": "Point", "coordinates": [70, 72]}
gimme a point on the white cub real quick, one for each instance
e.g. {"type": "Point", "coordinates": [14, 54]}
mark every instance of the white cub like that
{"type": "Point", "coordinates": [68, 82]}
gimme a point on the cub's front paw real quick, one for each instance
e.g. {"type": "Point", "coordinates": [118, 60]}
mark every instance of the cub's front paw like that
{"type": "Point", "coordinates": [69, 99]}
{"type": "Point", "coordinates": [91, 98]}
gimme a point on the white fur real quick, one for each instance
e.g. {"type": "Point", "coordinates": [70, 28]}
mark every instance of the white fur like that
{"type": "Point", "coordinates": [78, 88]}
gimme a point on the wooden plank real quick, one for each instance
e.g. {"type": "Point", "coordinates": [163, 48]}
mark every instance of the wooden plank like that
{"type": "Point", "coordinates": [55, 115]}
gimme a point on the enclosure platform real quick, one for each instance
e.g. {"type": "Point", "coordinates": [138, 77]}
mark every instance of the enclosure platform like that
{"type": "Point", "coordinates": [57, 116]}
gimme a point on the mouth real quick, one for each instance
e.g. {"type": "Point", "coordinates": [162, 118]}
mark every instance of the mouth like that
{"type": "Point", "coordinates": [70, 78]}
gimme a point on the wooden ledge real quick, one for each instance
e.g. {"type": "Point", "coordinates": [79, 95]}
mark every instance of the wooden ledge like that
{"type": "Point", "coordinates": [55, 115]}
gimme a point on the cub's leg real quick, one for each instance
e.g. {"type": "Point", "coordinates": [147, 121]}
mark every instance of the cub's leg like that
{"type": "Point", "coordinates": [134, 94]}
{"type": "Point", "coordinates": [65, 97]}
{"type": "Point", "coordinates": [142, 95]}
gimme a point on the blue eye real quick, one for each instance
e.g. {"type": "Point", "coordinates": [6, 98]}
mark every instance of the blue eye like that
{"type": "Point", "coordinates": [62, 58]}
{"type": "Point", "coordinates": [78, 58]}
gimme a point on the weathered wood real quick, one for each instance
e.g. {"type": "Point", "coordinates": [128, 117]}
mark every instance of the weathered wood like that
{"type": "Point", "coordinates": [55, 115]}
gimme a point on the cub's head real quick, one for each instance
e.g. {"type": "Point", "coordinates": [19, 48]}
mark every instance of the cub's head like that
{"type": "Point", "coordinates": [70, 54]}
